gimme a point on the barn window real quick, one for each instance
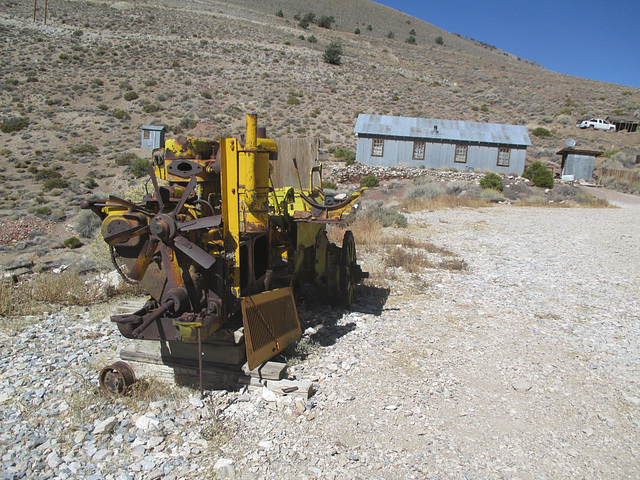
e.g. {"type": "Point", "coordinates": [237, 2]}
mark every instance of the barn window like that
{"type": "Point", "coordinates": [418, 150]}
{"type": "Point", "coordinates": [503, 157]}
{"type": "Point", "coordinates": [378, 147]}
{"type": "Point", "coordinates": [147, 134]}
{"type": "Point", "coordinates": [461, 154]}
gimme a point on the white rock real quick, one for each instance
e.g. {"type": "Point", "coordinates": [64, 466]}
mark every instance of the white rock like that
{"type": "Point", "coordinates": [147, 423]}
{"type": "Point", "coordinates": [268, 395]}
{"type": "Point", "coordinates": [53, 460]}
{"type": "Point", "coordinates": [105, 426]}
{"type": "Point", "coordinates": [224, 469]}
{"type": "Point", "coordinates": [522, 386]}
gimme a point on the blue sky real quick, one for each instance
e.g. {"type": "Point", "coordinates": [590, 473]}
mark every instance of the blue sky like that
{"type": "Point", "coordinates": [599, 40]}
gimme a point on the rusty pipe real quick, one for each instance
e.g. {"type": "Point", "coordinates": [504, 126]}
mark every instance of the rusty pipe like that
{"type": "Point", "coordinates": [153, 316]}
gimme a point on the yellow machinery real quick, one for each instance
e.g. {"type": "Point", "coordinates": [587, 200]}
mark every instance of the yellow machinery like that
{"type": "Point", "coordinates": [218, 243]}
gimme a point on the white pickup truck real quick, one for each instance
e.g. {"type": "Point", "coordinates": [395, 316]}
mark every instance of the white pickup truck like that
{"type": "Point", "coordinates": [596, 123]}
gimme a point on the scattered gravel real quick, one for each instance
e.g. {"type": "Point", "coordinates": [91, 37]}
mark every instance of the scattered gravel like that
{"type": "Point", "coordinates": [23, 228]}
{"type": "Point", "coordinates": [527, 365]}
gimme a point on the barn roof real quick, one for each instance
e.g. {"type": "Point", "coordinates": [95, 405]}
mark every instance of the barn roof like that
{"type": "Point", "coordinates": [407, 127]}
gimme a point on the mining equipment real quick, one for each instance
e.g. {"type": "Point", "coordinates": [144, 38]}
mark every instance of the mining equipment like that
{"type": "Point", "coordinates": [215, 244]}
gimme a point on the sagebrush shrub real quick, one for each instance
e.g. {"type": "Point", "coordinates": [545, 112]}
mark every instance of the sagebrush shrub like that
{"type": "Point", "coordinates": [541, 132]}
{"type": "Point", "coordinates": [424, 190]}
{"type": "Point", "coordinates": [459, 186]}
{"type": "Point", "coordinates": [14, 124]}
{"type": "Point", "coordinates": [86, 223]}
{"type": "Point", "coordinates": [84, 149]}
{"type": "Point", "coordinates": [46, 174]}
{"type": "Point", "coordinates": [344, 154]}
{"type": "Point", "coordinates": [369, 181]}
{"type": "Point", "coordinates": [140, 167]}
{"type": "Point", "coordinates": [387, 217]}
{"type": "Point", "coordinates": [72, 242]}
{"type": "Point", "coordinates": [121, 114]}
{"type": "Point", "coordinates": [125, 159]}
{"type": "Point", "coordinates": [491, 195]}
{"type": "Point", "coordinates": [52, 183]}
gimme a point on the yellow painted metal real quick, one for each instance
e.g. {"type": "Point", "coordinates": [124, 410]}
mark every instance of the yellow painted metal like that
{"type": "Point", "coordinates": [189, 330]}
{"type": "Point", "coordinates": [253, 178]}
{"type": "Point", "coordinates": [270, 324]}
{"type": "Point", "coordinates": [231, 212]}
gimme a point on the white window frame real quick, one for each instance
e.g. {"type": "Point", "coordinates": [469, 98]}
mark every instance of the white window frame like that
{"type": "Point", "coordinates": [377, 147]}
{"type": "Point", "coordinates": [502, 150]}
{"type": "Point", "coordinates": [419, 148]}
{"type": "Point", "coordinates": [461, 153]}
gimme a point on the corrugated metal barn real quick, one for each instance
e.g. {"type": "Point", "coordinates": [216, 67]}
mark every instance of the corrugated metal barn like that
{"type": "Point", "coordinates": [402, 141]}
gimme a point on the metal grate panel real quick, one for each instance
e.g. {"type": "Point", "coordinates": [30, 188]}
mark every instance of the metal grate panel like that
{"type": "Point", "coordinates": [270, 324]}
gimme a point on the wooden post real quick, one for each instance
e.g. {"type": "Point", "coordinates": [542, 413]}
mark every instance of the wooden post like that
{"type": "Point", "coordinates": [35, 7]}
{"type": "Point", "coordinates": [46, 6]}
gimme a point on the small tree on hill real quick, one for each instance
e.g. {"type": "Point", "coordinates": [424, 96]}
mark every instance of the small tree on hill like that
{"type": "Point", "coordinates": [333, 53]}
{"type": "Point", "coordinates": [325, 22]}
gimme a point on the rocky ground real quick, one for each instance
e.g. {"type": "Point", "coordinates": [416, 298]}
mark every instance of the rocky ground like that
{"type": "Point", "coordinates": [524, 366]}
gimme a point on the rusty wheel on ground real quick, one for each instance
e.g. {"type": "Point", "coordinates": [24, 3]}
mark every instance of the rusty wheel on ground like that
{"type": "Point", "coordinates": [350, 272]}
{"type": "Point", "coordinates": [116, 379]}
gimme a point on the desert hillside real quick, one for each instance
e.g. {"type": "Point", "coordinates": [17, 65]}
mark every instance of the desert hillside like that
{"type": "Point", "coordinates": [77, 89]}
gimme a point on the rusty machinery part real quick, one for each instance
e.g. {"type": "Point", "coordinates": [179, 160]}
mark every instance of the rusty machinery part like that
{"type": "Point", "coordinates": [118, 267]}
{"type": "Point", "coordinates": [116, 379]}
{"type": "Point", "coordinates": [163, 230]}
{"type": "Point", "coordinates": [350, 272]}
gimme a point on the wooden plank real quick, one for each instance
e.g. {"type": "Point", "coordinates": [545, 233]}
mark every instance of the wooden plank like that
{"type": "Point", "coordinates": [166, 352]}
{"type": "Point", "coordinates": [212, 378]}
{"type": "Point", "coordinates": [269, 371]}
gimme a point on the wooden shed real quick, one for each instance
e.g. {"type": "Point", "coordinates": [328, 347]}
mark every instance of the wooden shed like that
{"type": "Point", "coordinates": [152, 136]}
{"type": "Point", "coordinates": [434, 143]}
{"type": "Point", "coordinates": [578, 163]}
{"type": "Point", "coordinates": [624, 123]}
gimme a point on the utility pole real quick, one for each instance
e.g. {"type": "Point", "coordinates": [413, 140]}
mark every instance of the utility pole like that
{"type": "Point", "coordinates": [35, 10]}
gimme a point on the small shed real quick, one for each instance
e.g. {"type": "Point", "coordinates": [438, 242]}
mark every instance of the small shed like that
{"type": "Point", "coordinates": [152, 136]}
{"type": "Point", "coordinates": [624, 123]}
{"type": "Point", "coordinates": [578, 163]}
{"type": "Point", "coordinates": [434, 143]}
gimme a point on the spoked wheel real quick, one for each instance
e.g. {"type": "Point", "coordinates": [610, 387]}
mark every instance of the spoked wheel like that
{"type": "Point", "coordinates": [116, 379]}
{"type": "Point", "coordinates": [350, 271]}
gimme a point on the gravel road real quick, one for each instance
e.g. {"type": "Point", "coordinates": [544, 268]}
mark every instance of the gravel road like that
{"type": "Point", "coordinates": [526, 366]}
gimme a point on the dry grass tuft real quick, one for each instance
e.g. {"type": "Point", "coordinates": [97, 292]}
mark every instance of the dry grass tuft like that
{"type": "Point", "coordinates": [366, 231]}
{"type": "Point", "coordinates": [409, 260]}
{"type": "Point", "coordinates": [413, 260]}
{"type": "Point", "coordinates": [407, 241]}
{"type": "Point", "coordinates": [454, 264]}
{"type": "Point", "coordinates": [584, 201]}
{"type": "Point", "coordinates": [31, 297]}
{"type": "Point", "coordinates": [442, 202]}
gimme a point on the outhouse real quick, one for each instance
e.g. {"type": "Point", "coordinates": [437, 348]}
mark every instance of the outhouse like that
{"type": "Point", "coordinates": [152, 136]}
